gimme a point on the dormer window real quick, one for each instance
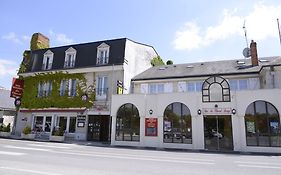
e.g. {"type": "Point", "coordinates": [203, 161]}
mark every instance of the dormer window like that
{"type": "Point", "coordinates": [70, 55]}
{"type": "Point", "coordinates": [103, 54]}
{"type": "Point", "coordinates": [47, 60]}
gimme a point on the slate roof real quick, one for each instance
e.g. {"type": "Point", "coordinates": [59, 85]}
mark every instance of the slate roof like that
{"type": "Point", "coordinates": [201, 69]}
{"type": "Point", "coordinates": [86, 55]}
{"type": "Point", "coordinates": [6, 102]}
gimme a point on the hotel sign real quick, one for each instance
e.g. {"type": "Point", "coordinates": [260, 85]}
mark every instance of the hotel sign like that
{"type": "Point", "coordinates": [216, 111]}
{"type": "Point", "coordinates": [17, 88]}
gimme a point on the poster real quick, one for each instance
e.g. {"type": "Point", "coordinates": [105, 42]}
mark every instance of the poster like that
{"type": "Point", "coordinates": [151, 126]}
{"type": "Point", "coordinates": [251, 127]}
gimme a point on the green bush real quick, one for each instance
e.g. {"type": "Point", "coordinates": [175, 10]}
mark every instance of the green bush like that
{"type": "Point", "coordinates": [7, 128]}
{"type": "Point", "coordinates": [1, 127]}
{"type": "Point", "coordinates": [26, 130]}
{"type": "Point", "coordinates": [58, 132]}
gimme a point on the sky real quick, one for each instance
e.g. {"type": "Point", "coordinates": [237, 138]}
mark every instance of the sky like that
{"type": "Point", "coordinates": [184, 31]}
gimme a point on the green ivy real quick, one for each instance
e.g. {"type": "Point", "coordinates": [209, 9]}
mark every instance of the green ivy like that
{"type": "Point", "coordinates": [31, 101]}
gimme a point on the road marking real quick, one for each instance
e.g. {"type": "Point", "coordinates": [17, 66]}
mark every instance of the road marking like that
{"type": "Point", "coordinates": [137, 158]}
{"type": "Point", "coordinates": [48, 146]}
{"type": "Point", "coordinates": [259, 166]}
{"type": "Point", "coordinates": [26, 148]}
{"type": "Point", "coordinates": [29, 171]}
{"type": "Point", "coordinates": [11, 153]}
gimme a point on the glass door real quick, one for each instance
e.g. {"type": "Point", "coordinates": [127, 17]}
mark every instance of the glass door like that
{"type": "Point", "coordinates": [218, 132]}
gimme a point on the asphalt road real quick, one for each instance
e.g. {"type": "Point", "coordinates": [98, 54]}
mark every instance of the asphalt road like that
{"type": "Point", "coordinates": [19, 157]}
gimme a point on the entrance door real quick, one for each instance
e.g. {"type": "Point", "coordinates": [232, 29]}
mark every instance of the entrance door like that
{"type": "Point", "coordinates": [218, 132]}
{"type": "Point", "coordinates": [98, 128]}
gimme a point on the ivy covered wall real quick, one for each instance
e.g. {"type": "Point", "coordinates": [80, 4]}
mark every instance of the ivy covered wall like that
{"type": "Point", "coordinates": [31, 101]}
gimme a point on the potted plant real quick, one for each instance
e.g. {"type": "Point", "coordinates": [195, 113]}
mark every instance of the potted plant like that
{"type": "Point", "coordinates": [27, 134]}
{"type": "Point", "coordinates": [5, 131]}
{"type": "Point", "coordinates": [57, 135]}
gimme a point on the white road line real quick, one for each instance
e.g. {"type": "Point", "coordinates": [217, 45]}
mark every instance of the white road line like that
{"type": "Point", "coordinates": [137, 158]}
{"type": "Point", "coordinates": [11, 153]}
{"type": "Point", "coordinates": [48, 146]}
{"type": "Point", "coordinates": [29, 171]}
{"type": "Point", "coordinates": [26, 148]}
{"type": "Point", "coordinates": [260, 166]}
{"type": "Point", "coordinates": [258, 163]}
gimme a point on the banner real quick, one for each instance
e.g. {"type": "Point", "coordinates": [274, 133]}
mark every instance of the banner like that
{"type": "Point", "coordinates": [17, 88]}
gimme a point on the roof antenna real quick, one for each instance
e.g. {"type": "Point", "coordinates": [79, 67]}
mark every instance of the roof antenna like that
{"type": "Point", "coordinates": [246, 51]}
{"type": "Point", "coordinates": [279, 30]}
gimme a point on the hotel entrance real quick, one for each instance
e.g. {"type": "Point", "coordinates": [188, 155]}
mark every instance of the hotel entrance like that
{"type": "Point", "coordinates": [98, 128]}
{"type": "Point", "coordinates": [218, 132]}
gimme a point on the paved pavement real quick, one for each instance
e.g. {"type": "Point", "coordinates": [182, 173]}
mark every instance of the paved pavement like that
{"type": "Point", "coordinates": [19, 157]}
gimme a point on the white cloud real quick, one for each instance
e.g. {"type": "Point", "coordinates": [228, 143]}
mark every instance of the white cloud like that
{"type": "Point", "coordinates": [260, 24]}
{"type": "Point", "coordinates": [60, 38]}
{"type": "Point", "coordinates": [8, 67]}
{"type": "Point", "coordinates": [12, 37]}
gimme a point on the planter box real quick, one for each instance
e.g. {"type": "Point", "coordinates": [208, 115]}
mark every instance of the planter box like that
{"type": "Point", "coordinates": [5, 134]}
{"type": "Point", "coordinates": [28, 136]}
{"type": "Point", "coordinates": [57, 138]}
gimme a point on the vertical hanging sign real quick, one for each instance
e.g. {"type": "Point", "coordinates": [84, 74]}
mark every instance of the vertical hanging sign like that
{"type": "Point", "coordinates": [17, 88]}
{"type": "Point", "coordinates": [151, 127]}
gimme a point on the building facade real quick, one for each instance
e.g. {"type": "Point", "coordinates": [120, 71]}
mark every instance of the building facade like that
{"type": "Point", "coordinates": [7, 108]}
{"type": "Point", "coordinates": [231, 105]}
{"type": "Point", "coordinates": [70, 87]}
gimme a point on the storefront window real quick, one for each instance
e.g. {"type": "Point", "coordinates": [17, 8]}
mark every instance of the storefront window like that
{"type": "Point", "coordinates": [177, 124]}
{"type": "Point", "coordinates": [38, 123]}
{"type": "Point", "coordinates": [62, 123]}
{"type": "Point", "coordinates": [262, 124]}
{"type": "Point", "coordinates": [128, 123]}
{"type": "Point", "coordinates": [48, 123]}
{"type": "Point", "coordinates": [72, 124]}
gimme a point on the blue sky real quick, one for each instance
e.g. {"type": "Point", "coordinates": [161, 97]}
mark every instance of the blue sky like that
{"type": "Point", "coordinates": [181, 30]}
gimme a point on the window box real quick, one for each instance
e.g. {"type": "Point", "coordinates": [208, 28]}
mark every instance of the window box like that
{"type": "Point", "coordinates": [28, 136]}
{"type": "Point", "coordinates": [56, 138]}
{"type": "Point", "coordinates": [5, 134]}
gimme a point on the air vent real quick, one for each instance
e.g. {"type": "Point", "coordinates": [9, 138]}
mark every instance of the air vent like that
{"type": "Point", "coordinates": [189, 66]}
{"type": "Point", "coordinates": [263, 61]}
{"type": "Point", "coordinates": [240, 62]}
{"type": "Point", "coordinates": [162, 68]}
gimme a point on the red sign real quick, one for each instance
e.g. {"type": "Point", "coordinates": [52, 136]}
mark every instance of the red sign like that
{"type": "Point", "coordinates": [17, 88]}
{"type": "Point", "coordinates": [151, 126]}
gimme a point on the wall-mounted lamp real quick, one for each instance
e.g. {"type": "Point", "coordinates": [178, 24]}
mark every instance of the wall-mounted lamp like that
{"type": "Point", "coordinates": [233, 111]}
{"type": "Point", "coordinates": [216, 105]}
{"type": "Point", "coordinates": [150, 111]}
{"type": "Point", "coordinates": [199, 111]}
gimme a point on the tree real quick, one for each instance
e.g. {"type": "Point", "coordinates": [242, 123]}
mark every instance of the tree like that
{"type": "Point", "coordinates": [169, 62]}
{"type": "Point", "coordinates": [157, 61]}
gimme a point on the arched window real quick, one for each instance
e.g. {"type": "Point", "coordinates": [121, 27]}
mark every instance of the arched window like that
{"type": "Point", "coordinates": [262, 123]}
{"type": "Point", "coordinates": [215, 89]}
{"type": "Point", "coordinates": [177, 124]}
{"type": "Point", "coordinates": [128, 123]}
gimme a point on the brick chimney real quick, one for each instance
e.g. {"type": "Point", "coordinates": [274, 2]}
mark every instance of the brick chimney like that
{"type": "Point", "coordinates": [254, 53]}
{"type": "Point", "coordinates": [39, 41]}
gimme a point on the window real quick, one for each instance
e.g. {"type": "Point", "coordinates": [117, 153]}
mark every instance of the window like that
{"type": "Point", "coordinates": [155, 88]}
{"type": "Point", "coordinates": [42, 123]}
{"type": "Point", "coordinates": [62, 121]}
{"type": "Point", "coordinates": [69, 85]}
{"type": "Point", "coordinates": [103, 54]}
{"type": "Point", "coordinates": [44, 89]}
{"type": "Point", "coordinates": [47, 60]}
{"type": "Point", "coordinates": [262, 123]}
{"type": "Point", "coordinates": [244, 84]}
{"type": "Point", "coordinates": [70, 56]}
{"type": "Point", "coordinates": [194, 86]}
{"type": "Point", "coordinates": [72, 124]}
{"type": "Point", "coordinates": [102, 87]}
{"type": "Point", "coordinates": [127, 123]}
{"type": "Point", "coordinates": [215, 89]}
{"type": "Point", "coordinates": [177, 124]}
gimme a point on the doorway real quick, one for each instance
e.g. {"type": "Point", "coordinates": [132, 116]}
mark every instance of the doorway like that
{"type": "Point", "coordinates": [98, 128]}
{"type": "Point", "coordinates": [218, 132]}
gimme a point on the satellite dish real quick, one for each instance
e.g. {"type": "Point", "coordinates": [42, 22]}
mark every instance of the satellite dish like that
{"type": "Point", "coordinates": [246, 52]}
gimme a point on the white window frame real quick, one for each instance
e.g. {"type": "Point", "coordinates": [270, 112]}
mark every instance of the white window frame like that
{"type": "Point", "coordinates": [44, 89]}
{"type": "Point", "coordinates": [156, 88]}
{"type": "Point", "coordinates": [103, 54]}
{"type": "Point", "coordinates": [102, 87]}
{"type": "Point", "coordinates": [47, 60]}
{"type": "Point", "coordinates": [72, 87]}
{"type": "Point", "coordinates": [69, 62]}
{"type": "Point", "coordinates": [196, 86]}
{"type": "Point", "coordinates": [67, 122]}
